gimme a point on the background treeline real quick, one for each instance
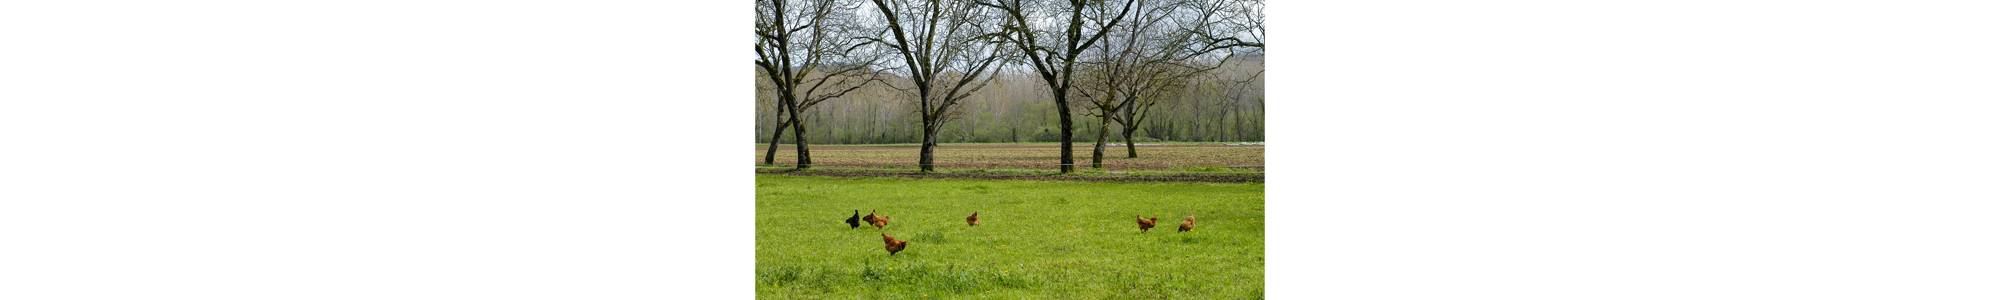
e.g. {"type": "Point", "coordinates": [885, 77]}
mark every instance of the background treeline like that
{"type": "Point", "coordinates": [935, 71]}
{"type": "Point", "coordinates": [1225, 106]}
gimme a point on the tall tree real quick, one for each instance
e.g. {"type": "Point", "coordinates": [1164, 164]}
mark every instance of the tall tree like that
{"type": "Point", "coordinates": [1199, 28]}
{"type": "Point", "coordinates": [1129, 64]}
{"type": "Point", "coordinates": [805, 49]}
{"type": "Point", "coordinates": [948, 49]}
{"type": "Point", "coordinates": [1166, 43]}
{"type": "Point", "coordinates": [1052, 35]}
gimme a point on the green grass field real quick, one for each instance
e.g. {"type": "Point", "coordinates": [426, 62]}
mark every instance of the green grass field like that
{"type": "Point", "coordinates": [1039, 239]}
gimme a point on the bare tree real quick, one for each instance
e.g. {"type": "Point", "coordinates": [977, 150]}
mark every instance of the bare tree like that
{"type": "Point", "coordinates": [1052, 35]}
{"type": "Point", "coordinates": [1130, 65]}
{"type": "Point", "coordinates": [949, 49]}
{"type": "Point", "coordinates": [1202, 29]}
{"type": "Point", "coordinates": [805, 49]}
{"type": "Point", "coordinates": [1166, 43]}
{"type": "Point", "coordinates": [1142, 94]}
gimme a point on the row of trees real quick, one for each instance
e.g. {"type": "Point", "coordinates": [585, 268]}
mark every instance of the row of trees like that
{"type": "Point", "coordinates": [1223, 106]}
{"type": "Point", "coordinates": [1114, 62]}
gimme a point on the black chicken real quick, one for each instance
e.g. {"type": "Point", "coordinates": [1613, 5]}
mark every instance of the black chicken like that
{"type": "Point", "coordinates": [854, 221]}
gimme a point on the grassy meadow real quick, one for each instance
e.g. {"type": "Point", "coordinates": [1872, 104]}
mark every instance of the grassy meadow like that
{"type": "Point", "coordinates": [1038, 239]}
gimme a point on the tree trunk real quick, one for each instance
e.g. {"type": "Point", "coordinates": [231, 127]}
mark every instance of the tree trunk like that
{"type": "Point", "coordinates": [799, 135]}
{"type": "Point", "coordinates": [1130, 151]}
{"type": "Point", "coordinates": [924, 158]}
{"type": "Point", "coordinates": [771, 153]}
{"type": "Point", "coordinates": [1097, 151]}
{"type": "Point", "coordinates": [1127, 125]}
{"type": "Point", "coordinates": [1062, 112]}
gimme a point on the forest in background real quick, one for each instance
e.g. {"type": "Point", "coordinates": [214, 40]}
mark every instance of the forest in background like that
{"type": "Point", "coordinates": [1224, 106]}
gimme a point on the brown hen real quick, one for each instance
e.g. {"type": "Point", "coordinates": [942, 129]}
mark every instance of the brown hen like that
{"type": "Point", "coordinates": [1187, 224]}
{"type": "Point", "coordinates": [1146, 224]}
{"type": "Point", "coordinates": [892, 244]}
{"type": "Point", "coordinates": [880, 221]}
{"type": "Point", "coordinates": [870, 218]}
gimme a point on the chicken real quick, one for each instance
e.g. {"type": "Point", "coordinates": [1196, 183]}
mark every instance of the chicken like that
{"type": "Point", "coordinates": [1146, 224]}
{"type": "Point", "coordinates": [880, 221]}
{"type": "Point", "coordinates": [1187, 224]}
{"type": "Point", "coordinates": [972, 220]}
{"type": "Point", "coordinates": [870, 218]}
{"type": "Point", "coordinates": [854, 221]}
{"type": "Point", "coordinates": [892, 244]}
